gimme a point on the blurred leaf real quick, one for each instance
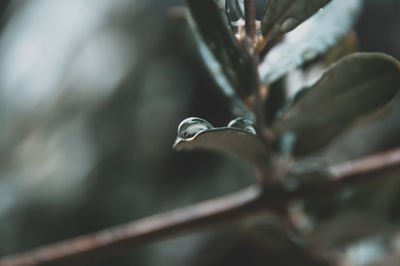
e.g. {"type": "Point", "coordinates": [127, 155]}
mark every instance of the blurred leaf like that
{"type": "Point", "coordinates": [281, 16]}
{"type": "Point", "coordinates": [391, 259]}
{"type": "Point", "coordinates": [276, 99]}
{"type": "Point", "coordinates": [308, 173]}
{"type": "Point", "coordinates": [238, 138]}
{"type": "Point", "coordinates": [220, 4]}
{"type": "Point", "coordinates": [348, 227]}
{"type": "Point", "coordinates": [312, 38]}
{"type": "Point", "coordinates": [355, 86]}
{"type": "Point", "coordinates": [379, 195]}
{"type": "Point", "coordinates": [344, 48]}
{"type": "Point", "coordinates": [267, 233]}
{"type": "Point", "coordinates": [227, 61]}
{"type": "Point", "coordinates": [234, 10]}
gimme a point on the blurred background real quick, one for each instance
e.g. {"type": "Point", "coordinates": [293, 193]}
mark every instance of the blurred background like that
{"type": "Point", "coordinates": [91, 94]}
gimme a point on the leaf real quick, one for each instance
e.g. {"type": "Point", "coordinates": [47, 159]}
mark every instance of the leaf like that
{"type": "Point", "coordinates": [238, 138]}
{"type": "Point", "coordinates": [226, 60]}
{"type": "Point", "coordinates": [352, 88]}
{"type": "Point", "coordinates": [277, 97]}
{"type": "Point", "coordinates": [281, 16]}
{"type": "Point", "coordinates": [309, 173]}
{"type": "Point", "coordinates": [314, 37]}
{"type": "Point", "coordinates": [234, 10]}
{"type": "Point", "coordinates": [348, 226]}
{"type": "Point", "coordinates": [391, 258]}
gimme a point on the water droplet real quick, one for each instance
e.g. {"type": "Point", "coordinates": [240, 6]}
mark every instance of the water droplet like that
{"type": "Point", "coordinates": [192, 126]}
{"type": "Point", "coordinates": [288, 25]}
{"type": "Point", "coordinates": [242, 123]}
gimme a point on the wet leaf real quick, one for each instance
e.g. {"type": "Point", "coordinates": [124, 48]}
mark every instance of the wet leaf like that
{"type": "Point", "coordinates": [352, 88]}
{"type": "Point", "coordinates": [314, 37]}
{"type": "Point", "coordinates": [226, 60]}
{"type": "Point", "coordinates": [238, 138]}
{"type": "Point", "coordinates": [281, 16]}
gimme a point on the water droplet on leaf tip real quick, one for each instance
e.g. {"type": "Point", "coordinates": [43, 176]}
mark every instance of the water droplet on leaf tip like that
{"type": "Point", "coordinates": [192, 126]}
{"type": "Point", "coordinates": [242, 123]}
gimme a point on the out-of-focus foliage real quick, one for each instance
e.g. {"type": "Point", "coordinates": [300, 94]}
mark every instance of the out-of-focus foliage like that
{"type": "Point", "coordinates": [283, 16]}
{"type": "Point", "coordinates": [321, 112]}
{"type": "Point", "coordinates": [91, 92]}
{"type": "Point", "coordinates": [312, 38]}
{"type": "Point", "coordinates": [228, 63]}
{"type": "Point", "coordinates": [90, 95]}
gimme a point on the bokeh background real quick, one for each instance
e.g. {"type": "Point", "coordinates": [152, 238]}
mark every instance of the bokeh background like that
{"type": "Point", "coordinates": [91, 94]}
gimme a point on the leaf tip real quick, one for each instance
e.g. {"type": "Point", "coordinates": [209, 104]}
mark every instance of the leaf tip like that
{"type": "Point", "coordinates": [189, 128]}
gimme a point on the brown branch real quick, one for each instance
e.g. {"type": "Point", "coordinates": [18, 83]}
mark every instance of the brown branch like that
{"type": "Point", "coordinates": [250, 42]}
{"type": "Point", "coordinates": [366, 167]}
{"type": "Point", "coordinates": [154, 227]}
{"type": "Point", "coordinates": [238, 205]}
{"type": "Point", "coordinates": [250, 24]}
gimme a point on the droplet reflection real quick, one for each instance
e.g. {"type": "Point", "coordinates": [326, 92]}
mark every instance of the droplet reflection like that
{"type": "Point", "coordinates": [191, 126]}
{"type": "Point", "coordinates": [242, 123]}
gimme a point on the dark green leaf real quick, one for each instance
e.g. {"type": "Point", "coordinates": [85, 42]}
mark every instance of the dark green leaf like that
{"type": "Point", "coordinates": [312, 38]}
{"type": "Point", "coordinates": [309, 173]}
{"type": "Point", "coordinates": [282, 16]}
{"type": "Point", "coordinates": [275, 101]}
{"type": "Point", "coordinates": [228, 62]}
{"type": "Point", "coordinates": [391, 257]}
{"type": "Point", "coordinates": [234, 10]}
{"type": "Point", "coordinates": [347, 227]}
{"type": "Point", "coordinates": [238, 138]}
{"type": "Point", "coordinates": [352, 88]}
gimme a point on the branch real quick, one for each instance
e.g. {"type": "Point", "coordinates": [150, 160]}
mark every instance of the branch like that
{"type": "Point", "coordinates": [250, 24]}
{"type": "Point", "coordinates": [367, 167]}
{"type": "Point", "coordinates": [238, 205]}
{"type": "Point", "coordinates": [154, 227]}
{"type": "Point", "coordinates": [250, 42]}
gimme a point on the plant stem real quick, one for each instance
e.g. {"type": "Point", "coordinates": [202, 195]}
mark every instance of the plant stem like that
{"type": "Point", "coordinates": [238, 205]}
{"type": "Point", "coordinates": [367, 167]}
{"type": "Point", "coordinates": [250, 25]}
{"type": "Point", "coordinates": [250, 42]}
{"type": "Point", "coordinates": [154, 227]}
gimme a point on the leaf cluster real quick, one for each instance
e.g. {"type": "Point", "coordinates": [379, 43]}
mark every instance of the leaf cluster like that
{"type": "Point", "coordinates": [291, 34]}
{"type": "Point", "coordinates": [347, 91]}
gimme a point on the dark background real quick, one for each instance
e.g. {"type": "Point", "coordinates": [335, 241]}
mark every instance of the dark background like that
{"type": "Point", "coordinates": [91, 94]}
